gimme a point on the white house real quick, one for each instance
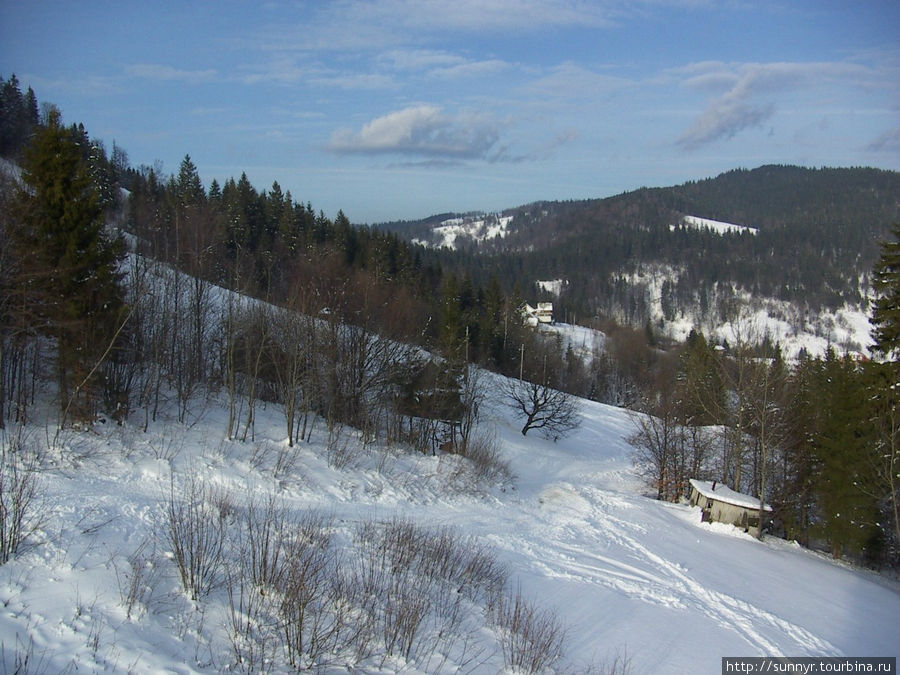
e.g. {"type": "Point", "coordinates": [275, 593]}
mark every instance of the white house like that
{"type": "Point", "coordinates": [721, 504]}
{"type": "Point", "coordinates": [533, 316]}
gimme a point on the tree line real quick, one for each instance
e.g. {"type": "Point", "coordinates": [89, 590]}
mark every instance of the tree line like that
{"type": "Point", "coordinates": [342, 310]}
{"type": "Point", "coordinates": [816, 244]}
{"type": "Point", "coordinates": [817, 439]}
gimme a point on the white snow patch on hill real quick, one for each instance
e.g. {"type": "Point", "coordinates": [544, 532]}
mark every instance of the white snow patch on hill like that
{"type": "Point", "coordinates": [470, 228]}
{"type": "Point", "coordinates": [794, 328]}
{"type": "Point", "coordinates": [716, 226]}
{"type": "Point", "coordinates": [554, 286]}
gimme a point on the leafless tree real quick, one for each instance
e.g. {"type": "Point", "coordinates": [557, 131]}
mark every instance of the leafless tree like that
{"type": "Point", "coordinates": [555, 413]}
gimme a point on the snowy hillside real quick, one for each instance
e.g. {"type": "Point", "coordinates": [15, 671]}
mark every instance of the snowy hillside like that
{"type": "Point", "coordinates": [793, 327]}
{"type": "Point", "coordinates": [717, 226]}
{"type": "Point", "coordinates": [626, 575]}
{"type": "Point", "coordinates": [449, 233]}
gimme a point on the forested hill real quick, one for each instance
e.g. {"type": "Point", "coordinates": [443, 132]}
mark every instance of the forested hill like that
{"type": "Point", "coordinates": [818, 238]}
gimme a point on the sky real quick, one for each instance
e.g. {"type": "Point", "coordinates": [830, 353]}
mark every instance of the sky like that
{"type": "Point", "coordinates": [400, 109]}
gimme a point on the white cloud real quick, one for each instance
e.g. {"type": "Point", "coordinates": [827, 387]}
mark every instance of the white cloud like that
{"type": "Point", "coordinates": [478, 15]}
{"type": "Point", "coordinates": [889, 142]}
{"type": "Point", "coordinates": [387, 24]}
{"type": "Point", "coordinates": [471, 69]}
{"type": "Point", "coordinates": [154, 71]}
{"type": "Point", "coordinates": [570, 80]}
{"type": "Point", "coordinates": [424, 130]}
{"type": "Point", "coordinates": [724, 118]}
{"type": "Point", "coordinates": [419, 59]}
{"type": "Point", "coordinates": [743, 93]}
{"type": "Point", "coordinates": [374, 81]}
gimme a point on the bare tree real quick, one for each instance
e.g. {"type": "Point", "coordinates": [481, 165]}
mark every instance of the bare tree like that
{"type": "Point", "coordinates": [538, 395]}
{"type": "Point", "coordinates": [658, 442]}
{"type": "Point", "coordinates": [552, 411]}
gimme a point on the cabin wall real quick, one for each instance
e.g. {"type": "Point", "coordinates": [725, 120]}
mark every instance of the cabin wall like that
{"type": "Point", "coordinates": [722, 512]}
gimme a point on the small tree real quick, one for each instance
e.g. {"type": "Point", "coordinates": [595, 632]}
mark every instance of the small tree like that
{"type": "Point", "coordinates": [552, 411]}
{"type": "Point", "coordinates": [539, 394]}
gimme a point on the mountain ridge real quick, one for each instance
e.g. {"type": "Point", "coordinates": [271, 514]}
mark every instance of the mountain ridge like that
{"type": "Point", "coordinates": [818, 233]}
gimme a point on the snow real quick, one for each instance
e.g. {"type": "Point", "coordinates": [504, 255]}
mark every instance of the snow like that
{"type": "Point", "coordinates": [716, 226]}
{"type": "Point", "coordinates": [477, 229]}
{"type": "Point", "coordinates": [725, 494]}
{"type": "Point", "coordinates": [793, 327]}
{"type": "Point", "coordinates": [585, 342]}
{"type": "Point", "coordinates": [554, 286]}
{"type": "Point", "coordinates": [627, 575]}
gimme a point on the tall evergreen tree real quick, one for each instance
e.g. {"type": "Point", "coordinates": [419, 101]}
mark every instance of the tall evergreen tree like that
{"type": "Point", "coordinates": [849, 515]}
{"type": "Point", "coordinates": [71, 263]}
{"type": "Point", "coordinates": [886, 308]}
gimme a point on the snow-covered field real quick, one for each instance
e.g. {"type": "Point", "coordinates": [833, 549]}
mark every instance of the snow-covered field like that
{"type": "Point", "coordinates": [625, 574]}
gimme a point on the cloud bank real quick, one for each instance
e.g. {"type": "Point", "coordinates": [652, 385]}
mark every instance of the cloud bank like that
{"type": "Point", "coordinates": [424, 131]}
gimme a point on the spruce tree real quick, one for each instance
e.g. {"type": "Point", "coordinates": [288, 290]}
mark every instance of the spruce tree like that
{"type": "Point", "coordinates": [886, 308]}
{"type": "Point", "coordinates": [71, 264]}
{"type": "Point", "coordinates": [849, 513]}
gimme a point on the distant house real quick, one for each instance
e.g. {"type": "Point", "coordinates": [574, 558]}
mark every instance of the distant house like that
{"type": "Point", "coordinates": [543, 313]}
{"type": "Point", "coordinates": [721, 504]}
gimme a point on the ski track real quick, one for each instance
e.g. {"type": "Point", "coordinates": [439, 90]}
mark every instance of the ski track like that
{"type": "Point", "coordinates": [650, 578]}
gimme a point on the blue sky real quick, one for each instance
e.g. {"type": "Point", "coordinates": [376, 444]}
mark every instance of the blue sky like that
{"type": "Point", "coordinates": [398, 109]}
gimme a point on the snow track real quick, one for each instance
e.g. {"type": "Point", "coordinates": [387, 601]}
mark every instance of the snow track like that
{"type": "Point", "coordinates": [634, 570]}
{"type": "Point", "coordinates": [625, 574]}
{"type": "Point", "coordinates": [621, 554]}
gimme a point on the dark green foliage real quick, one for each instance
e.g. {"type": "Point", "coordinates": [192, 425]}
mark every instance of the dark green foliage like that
{"type": "Point", "coordinates": [69, 276]}
{"type": "Point", "coordinates": [18, 117]}
{"type": "Point", "coordinates": [886, 308]}
{"type": "Point", "coordinates": [849, 515]}
{"type": "Point", "coordinates": [794, 496]}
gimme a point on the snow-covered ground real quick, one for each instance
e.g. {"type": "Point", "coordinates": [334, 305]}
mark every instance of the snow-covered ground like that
{"type": "Point", "coordinates": [553, 286]}
{"type": "Point", "coordinates": [626, 575]}
{"type": "Point", "coordinates": [794, 328]}
{"type": "Point", "coordinates": [716, 226]}
{"type": "Point", "coordinates": [476, 229]}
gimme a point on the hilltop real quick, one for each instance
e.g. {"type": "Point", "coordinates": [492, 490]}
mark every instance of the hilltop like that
{"type": "Point", "coordinates": [795, 244]}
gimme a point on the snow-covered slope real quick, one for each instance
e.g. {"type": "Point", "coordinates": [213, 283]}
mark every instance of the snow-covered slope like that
{"type": "Point", "coordinates": [624, 573]}
{"type": "Point", "coordinates": [449, 233]}
{"type": "Point", "coordinates": [717, 226]}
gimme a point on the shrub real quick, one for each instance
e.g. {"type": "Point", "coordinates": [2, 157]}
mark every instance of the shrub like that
{"type": "Point", "coordinates": [483, 451]}
{"type": "Point", "coordinates": [531, 639]}
{"type": "Point", "coordinates": [196, 529]}
{"type": "Point", "coordinates": [22, 510]}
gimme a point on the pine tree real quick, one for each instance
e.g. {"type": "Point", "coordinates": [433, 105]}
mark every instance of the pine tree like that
{"type": "Point", "coordinates": [71, 263]}
{"type": "Point", "coordinates": [886, 308]}
{"type": "Point", "coordinates": [848, 514]}
{"type": "Point", "coordinates": [18, 117]}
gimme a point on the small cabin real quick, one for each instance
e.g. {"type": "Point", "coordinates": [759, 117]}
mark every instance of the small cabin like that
{"type": "Point", "coordinates": [721, 504]}
{"type": "Point", "coordinates": [533, 316]}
